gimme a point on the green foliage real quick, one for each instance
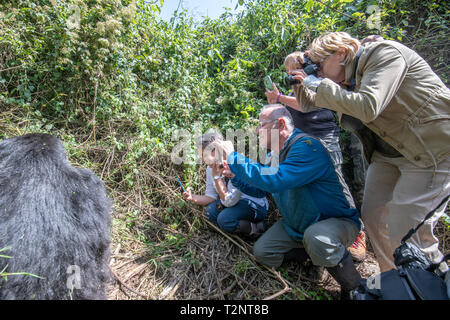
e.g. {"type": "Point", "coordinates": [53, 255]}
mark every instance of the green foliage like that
{"type": "Point", "coordinates": [115, 71]}
{"type": "Point", "coordinates": [242, 266]}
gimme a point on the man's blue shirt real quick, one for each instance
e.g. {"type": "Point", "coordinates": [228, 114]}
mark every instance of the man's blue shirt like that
{"type": "Point", "coordinates": [305, 187]}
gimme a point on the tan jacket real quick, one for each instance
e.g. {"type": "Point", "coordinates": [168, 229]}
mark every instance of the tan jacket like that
{"type": "Point", "coordinates": [397, 96]}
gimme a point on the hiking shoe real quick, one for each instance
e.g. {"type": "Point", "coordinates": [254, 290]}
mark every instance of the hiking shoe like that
{"type": "Point", "coordinates": [250, 230]}
{"type": "Point", "coordinates": [358, 248]}
{"type": "Point", "coordinates": [314, 273]}
{"type": "Point", "coordinates": [257, 229]}
{"type": "Point", "coordinates": [346, 275]}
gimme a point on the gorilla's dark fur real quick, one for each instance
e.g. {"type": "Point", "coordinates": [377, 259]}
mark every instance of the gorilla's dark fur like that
{"type": "Point", "coordinates": [52, 216]}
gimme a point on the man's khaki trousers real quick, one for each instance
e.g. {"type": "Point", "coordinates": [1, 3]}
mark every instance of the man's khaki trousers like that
{"type": "Point", "coordinates": [397, 197]}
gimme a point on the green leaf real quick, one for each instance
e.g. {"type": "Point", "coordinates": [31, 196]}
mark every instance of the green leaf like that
{"type": "Point", "coordinates": [309, 5]}
{"type": "Point", "coordinates": [218, 54]}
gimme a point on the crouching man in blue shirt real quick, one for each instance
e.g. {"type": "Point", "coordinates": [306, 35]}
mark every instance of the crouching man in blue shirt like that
{"type": "Point", "coordinates": [318, 221]}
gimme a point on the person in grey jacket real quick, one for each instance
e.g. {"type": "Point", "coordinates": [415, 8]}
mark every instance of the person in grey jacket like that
{"type": "Point", "coordinates": [399, 108]}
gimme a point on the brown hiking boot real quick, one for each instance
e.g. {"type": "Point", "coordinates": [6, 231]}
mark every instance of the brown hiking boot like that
{"type": "Point", "coordinates": [358, 248]}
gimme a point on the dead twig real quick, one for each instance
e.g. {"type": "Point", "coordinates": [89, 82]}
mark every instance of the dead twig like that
{"type": "Point", "coordinates": [255, 289]}
{"type": "Point", "coordinates": [219, 285]}
{"type": "Point", "coordinates": [12, 68]}
{"type": "Point", "coordinates": [285, 289]}
{"type": "Point", "coordinates": [224, 292]}
{"type": "Point", "coordinates": [121, 284]}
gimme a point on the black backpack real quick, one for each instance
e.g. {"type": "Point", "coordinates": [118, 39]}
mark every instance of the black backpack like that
{"type": "Point", "coordinates": [414, 279]}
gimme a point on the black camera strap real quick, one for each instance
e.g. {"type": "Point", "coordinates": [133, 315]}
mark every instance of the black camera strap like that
{"type": "Point", "coordinates": [352, 85]}
{"type": "Point", "coordinates": [285, 151]}
{"type": "Point", "coordinates": [428, 216]}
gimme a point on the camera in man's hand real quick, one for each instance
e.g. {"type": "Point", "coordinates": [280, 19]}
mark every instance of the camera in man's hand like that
{"type": "Point", "coordinates": [308, 66]}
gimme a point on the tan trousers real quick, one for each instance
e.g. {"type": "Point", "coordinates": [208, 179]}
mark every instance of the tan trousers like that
{"type": "Point", "coordinates": [397, 197]}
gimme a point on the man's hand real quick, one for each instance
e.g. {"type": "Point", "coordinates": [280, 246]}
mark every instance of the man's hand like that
{"type": "Point", "coordinates": [215, 169]}
{"type": "Point", "coordinates": [226, 171]}
{"type": "Point", "coordinates": [272, 95]}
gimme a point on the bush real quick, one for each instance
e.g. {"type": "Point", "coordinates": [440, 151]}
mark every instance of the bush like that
{"type": "Point", "coordinates": [113, 71]}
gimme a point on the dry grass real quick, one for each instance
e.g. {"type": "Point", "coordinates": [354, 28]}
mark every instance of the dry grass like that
{"type": "Point", "coordinates": [163, 248]}
{"type": "Point", "coordinates": [177, 254]}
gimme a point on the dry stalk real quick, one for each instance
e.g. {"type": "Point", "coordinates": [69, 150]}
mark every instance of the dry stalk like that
{"type": "Point", "coordinates": [219, 285]}
{"type": "Point", "coordinates": [285, 289]}
{"type": "Point", "coordinates": [121, 284]}
{"type": "Point", "coordinates": [277, 274]}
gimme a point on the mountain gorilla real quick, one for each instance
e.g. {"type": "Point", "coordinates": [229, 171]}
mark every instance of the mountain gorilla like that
{"type": "Point", "coordinates": [54, 223]}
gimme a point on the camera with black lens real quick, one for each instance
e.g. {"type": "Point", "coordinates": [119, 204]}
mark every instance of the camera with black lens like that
{"type": "Point", "coordinates": [308, 66]}
{"type": "Point", "coordinates": [415, 276]}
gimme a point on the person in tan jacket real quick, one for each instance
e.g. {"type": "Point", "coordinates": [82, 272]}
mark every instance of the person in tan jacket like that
{"type": "Point", "coordinates": [399, 108]}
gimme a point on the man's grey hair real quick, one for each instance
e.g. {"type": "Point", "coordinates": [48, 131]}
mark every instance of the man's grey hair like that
{"type": "Point", "coordinates": [207, 138]}
{"type": "Point", "coordinates": [279, 111]}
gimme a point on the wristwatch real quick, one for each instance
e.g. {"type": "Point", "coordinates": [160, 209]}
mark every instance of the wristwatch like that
{"type": "Point", "coordinates": [218, 177]}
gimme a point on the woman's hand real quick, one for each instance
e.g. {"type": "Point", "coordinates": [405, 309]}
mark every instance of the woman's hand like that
{"type": "Point", "coordinates": [299, 75]}
{"type": "Point", "coordinates": [272, 95]}
{"type": "Point", "coordinates": [308, 81]}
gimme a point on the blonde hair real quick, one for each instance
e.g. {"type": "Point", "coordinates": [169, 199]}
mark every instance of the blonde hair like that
{"type": "Point", "coordinates": [329, 43]}
{"type": "Point", "coordinates": [292, 60]}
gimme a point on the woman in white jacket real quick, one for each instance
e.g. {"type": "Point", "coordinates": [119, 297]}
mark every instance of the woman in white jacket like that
{"type": "Point", "coordinates": [226, 206]}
